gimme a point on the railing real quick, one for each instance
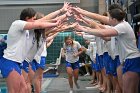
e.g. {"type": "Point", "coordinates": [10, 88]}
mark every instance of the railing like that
{"type": "Point", "coordinates": [56, 64]}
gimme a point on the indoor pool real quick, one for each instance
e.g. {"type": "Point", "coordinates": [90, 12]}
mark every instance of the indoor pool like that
{"type": "Point", "coordinates": [3, 88]}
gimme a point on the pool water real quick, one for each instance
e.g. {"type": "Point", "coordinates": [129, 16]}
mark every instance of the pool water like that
{"type": "Point", "coordinates": [3, 88]}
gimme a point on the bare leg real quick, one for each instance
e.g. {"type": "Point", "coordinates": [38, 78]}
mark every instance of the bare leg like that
{"type": "Point", "coordinates": [23, 87]}
{"type": "Point", "coordinates": [87, 70]}
{"type": "Point", "coordinates": [31, 75]}
{"type": "Point", "coordinates": [117, 86]}
{"type": "Point", "coordinates": [38, 80]}
{"type": "Point", "coordinates": [75, 73]}
{"type": "Point", "coordinates": [100, 79]}
{"type": "Point", "coordinates": [70, 76]}
{"type": "Point", "coordinates": [119, 73]}
{"type": "Point", "coordinates": [14, 83]}
{"type": "Point", "coordinates": [28, 83]}
{"type": "Point", "coordinates": [103, 88]}
{"type": "Point", "coordinates": [94, 82]}
{"type": "Point", "coordinates": [130, 82]}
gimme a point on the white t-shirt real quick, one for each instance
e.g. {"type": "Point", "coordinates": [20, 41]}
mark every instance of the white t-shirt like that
{"type": "Point", "coordinates": [16, 42]}
{"type": "Point", "coordinates": [126, 41]}
{"type": "Point", "coordinates": [71, 50]}
{"type": "Point", "coordinates": [110, 46]}
{"type": "Point", "coordinates": [91, 51]}
{"type": "Point", "coordinates": [34, 51]}
{"type": "Point", "coordinates": [44, 53]}
{"type": "Point", "coordinates": [110, 50]}
{"type": "Point", "coordinates": [114, 48]}
{"type": "Point", "coordinates": [100, 45]}
{"type": "Point", "coordinates": [89, 37]}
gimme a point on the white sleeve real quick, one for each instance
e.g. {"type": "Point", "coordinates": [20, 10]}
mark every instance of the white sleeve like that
{"type": "Point", "coordinates": [64, 46]}
{"type": "Point", "coordinates": [120, 28]}
{"type": "Point", "coordinates": [88, 37]}
{"type": "Point", "coordinates": [39, 52]}
{"type": "Point", "coordinates": [31, 53]}
{"type": "Point", "coordinates": [78, 45]}
{"type": "Point", "coordinates": [88, 52]}
{"type": "Point", "coordinates": [92, 40]}
{"type": "Point", "coordinates": [19, 24]}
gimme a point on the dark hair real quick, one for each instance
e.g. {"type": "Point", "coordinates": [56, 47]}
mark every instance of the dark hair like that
{"type": "Point", "coordinates": [39, 32]}
{"type": "Point", "coordinates": [69, 37]}
{"type": "Point", "coordinates": [114, 6]}
{"type": "Point", "coordinates": [105, 14]}
{"type": "Point", "coordinates": [117, 14]}
{"type": "Point", "coordinates": [27, 12]}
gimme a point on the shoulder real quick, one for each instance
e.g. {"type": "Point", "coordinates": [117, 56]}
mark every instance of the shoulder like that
{"type": "Point", "coordinates": [19, 24]}
{"type": "Point", "coordinates": [76, 42]}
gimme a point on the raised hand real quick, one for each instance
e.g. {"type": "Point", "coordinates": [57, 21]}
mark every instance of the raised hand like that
{"type": "Point", "coordinates": [80, 28]}
{"type": "Point", "coordinates": [63, 27]}
{"type": "Point", "coordinates": [65, 7]}
{"type": "Point", "coordinates": [68, 13]}
{"type": "Point", "coordinates": [78, 18]}
{"type": "Point", "coordinates": [77, 10]}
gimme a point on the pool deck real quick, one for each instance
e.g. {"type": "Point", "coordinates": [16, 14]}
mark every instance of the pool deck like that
{"type": "Point", "coordinates": [60, 84]}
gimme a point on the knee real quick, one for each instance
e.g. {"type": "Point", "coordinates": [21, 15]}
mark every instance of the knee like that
{"type": "Point", "coordinates": [25, 89]}
{"type": "Point", "coordinates": [70, 75]}
{"type": "Point", "coordinates": [39, 77]}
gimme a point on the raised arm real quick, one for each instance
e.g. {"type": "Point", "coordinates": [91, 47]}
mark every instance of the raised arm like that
{"type": "Point", "coordinates": [52, 36]}
{"type": "Point", "coordinates": [49, 43]}
{"type": "Point", "coordinates": [108, 32]}
{"type": "Point", "coordinates": [57, 12]}
{"type": "Point", "coordinates": [95, 16]}
{"type": "Point", "coordinates": [40, 25]}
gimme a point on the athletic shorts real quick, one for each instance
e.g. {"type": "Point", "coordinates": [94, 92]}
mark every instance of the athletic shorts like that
{"type": "Point", "coordinates": [117, 60]}
{"type": "Point", "coordinates": [101, 61]}
{"type": "Point", "coordinates": [113, 67]}
{"type": "Point", "coordinates": [132, 65]}
{"type": "Point", "coordinates": [73, 65]}
{"type": "Point", "coordinates": [8, 66]}
{"type": "Point", "coordinates": [93, 65]}
{"type": "Point", "coordinates": [25, 66]}
{"type": "Point", "coordinates": [36, 65]}
{"type": "Point", "coordinates": [98, 66]}
{"type": "Point", "coordinates": [106, 61]}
